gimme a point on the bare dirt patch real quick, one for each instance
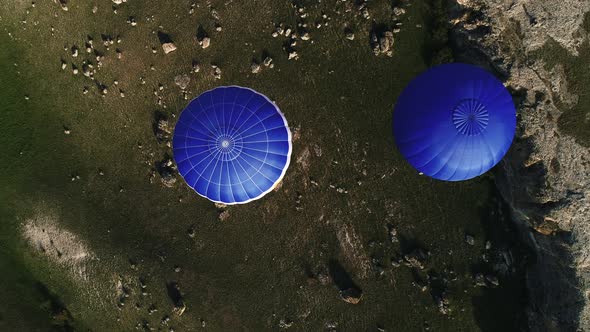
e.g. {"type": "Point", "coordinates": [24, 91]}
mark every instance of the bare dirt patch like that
{"type": "Point", "coordinates": [353, 249]}
{"type": "Point", "coordinates": [57, 244]}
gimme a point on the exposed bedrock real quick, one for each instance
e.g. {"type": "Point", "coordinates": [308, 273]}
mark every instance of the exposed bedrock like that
{"type": "Point", "coordinates": [545, 177]}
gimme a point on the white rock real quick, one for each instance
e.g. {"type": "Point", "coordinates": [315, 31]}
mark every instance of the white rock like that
{"type": "Point", "coordinates": [397, 11]}
{"type": "Point", "coordinates": [255, 68]}
{"type": "Point", "coordinates": [168, 47]}
{"type": "Point", "coordinates": [205, 42]}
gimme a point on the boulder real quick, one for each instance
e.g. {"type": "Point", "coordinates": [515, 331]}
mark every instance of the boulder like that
{"type": "Point", "coordinates": [351, 295]}
{"type": "Point", "coordinates": [168, 47]}
{"type": "Point", "coordinates": [382, 42]}
{"type": "Point", "coordinates": [205, 42]}
{"type": "Point", "coordinates": [469, 239]}
{"type": "Point", "coordinates": [416, 259]}
{"type": "Point", "coordinates": [268, 62]}
{"type": "Point", "coordinates": [255, 68]}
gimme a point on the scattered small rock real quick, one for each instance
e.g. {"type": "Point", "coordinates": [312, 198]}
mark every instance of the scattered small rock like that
{"type": "Point", "coordinates": [161, 127]}
{"type": "Point", "coordinates": [64, 5]}
{"type": "Point", "coordinates": [396, 261]}
{"type": "Point", "coordinates": [392, 233]}
{"type": "Point", "coordinates": [196, 66]}
{"type": "Point", "coordinates": [469, 239]}
{"type": "Point", "coordinates": [224, 215]}
{"type": "Point", "coordinates": [398, 11]}
{"type": "Point", "coordinates": [176, 296]}
{"type": "Point", "coordinates": [152, 309]}
{"type": "Point", "coordinates": [167, 172]}
{"type": "Point", "coordinates": [205, 42]}
{"type": "Point", "coordinates": [492, 280]}
{"type": "Point", "coordinates": [479, 280]}
{"type": "Point", "coordinates": [255, 68]}
{"type": "Point", "coordinates": [331, 326]}
{"type": "Point", "coordinates": [285, 323]}
{"type": "Point", "coordinates": [191, 233]}
{"type": "Point", "coordinates": [131, 20]}
{"type": "Point", "coordinates": [382, 42]}
{"type": "Point", "coordinates": [216, 72]}
{"type": "Point", "coordinates": [443, 304]}
{"type": "Point", "coordinates": [417, 258]}
{"type": "Point", "coordinates": [268, 62]}
{"type": "Point", "coordinates": [323, 278]}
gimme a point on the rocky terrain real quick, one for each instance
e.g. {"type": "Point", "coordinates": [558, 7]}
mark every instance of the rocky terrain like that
{"type": "Point", "coordinates": [546, 176]}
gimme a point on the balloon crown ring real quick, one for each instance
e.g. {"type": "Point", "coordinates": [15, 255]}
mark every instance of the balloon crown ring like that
{"type": "Point", "coordinates": [470, 117]}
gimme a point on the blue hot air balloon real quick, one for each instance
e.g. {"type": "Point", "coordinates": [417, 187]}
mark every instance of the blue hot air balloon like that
{"type": "Point", "coordinates": [232, 145]}
{"type": "Point", "coordinates": [454, 122]}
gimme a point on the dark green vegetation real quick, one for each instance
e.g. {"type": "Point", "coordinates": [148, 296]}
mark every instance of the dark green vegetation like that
{"type": "Point", "coordinates": [575, 120]}
{"type": "Point", "coordinates": [436, 46]}
{"type": "Point", "coordinates": [26, 303]}
{"type": "Point", "coordinates": [262, 264]}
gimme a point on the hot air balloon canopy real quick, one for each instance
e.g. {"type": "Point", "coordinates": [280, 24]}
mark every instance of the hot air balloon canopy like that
{"type": "Point", "coordinates": [454, 122]}
{"type": "Point", "coordinates": [232, 145]}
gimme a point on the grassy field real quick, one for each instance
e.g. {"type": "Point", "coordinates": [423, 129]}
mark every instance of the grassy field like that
{"type": "Point", "coordinates": [254, 270]}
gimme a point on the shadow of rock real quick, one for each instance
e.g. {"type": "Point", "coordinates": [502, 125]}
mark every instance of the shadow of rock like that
{"type": "Point", "coordinates": [164, 37]}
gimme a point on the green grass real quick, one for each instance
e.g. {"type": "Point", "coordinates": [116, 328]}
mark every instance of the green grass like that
{"type": "Point", "coordinates": [248, 272]}
{"type": "Point", "coordinates": [26, 304]}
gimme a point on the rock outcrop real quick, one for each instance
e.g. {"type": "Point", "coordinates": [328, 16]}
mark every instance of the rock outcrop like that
{"type": "Point", "coordinates": [545, 177]}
